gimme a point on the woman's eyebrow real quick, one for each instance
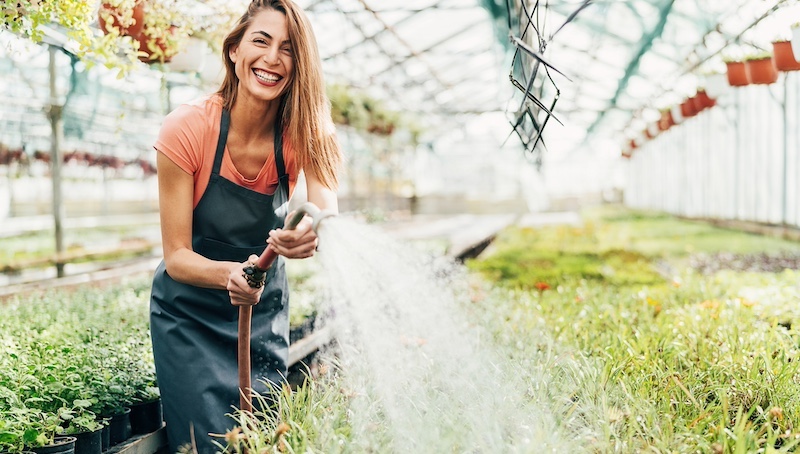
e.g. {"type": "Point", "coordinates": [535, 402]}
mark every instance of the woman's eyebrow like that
{"type": "Point", "coordinates": [268, 36]}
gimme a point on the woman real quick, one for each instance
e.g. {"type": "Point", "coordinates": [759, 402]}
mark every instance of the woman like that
{"type": "Point", "coordinates": [227, 165]}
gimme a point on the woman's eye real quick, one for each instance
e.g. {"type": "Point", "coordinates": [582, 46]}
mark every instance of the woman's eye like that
{"type": "Point", "coordinates": [287, 50]}
{"type": "Point", "coordinates": [260, 41]}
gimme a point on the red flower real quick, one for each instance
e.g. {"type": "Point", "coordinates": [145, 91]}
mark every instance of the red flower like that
{"type": "Point", "coordinates": [541, 286]}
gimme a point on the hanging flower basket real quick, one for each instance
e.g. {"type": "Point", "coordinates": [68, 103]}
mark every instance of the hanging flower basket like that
{"type": "Point", "coordinates": [784, 57]}
{"type": "Point", "coordinates": [762, 71]}
{"type": "Point", "coordinates": [675, 113]}
{"type": "Point", "coordinates": [702, 101]}
{"type": "Point", "coordinates": [688, 109]}
{"type": "Point", "coordinates": [117, 16]}
{"type": "Point", "coordinates": [716, 85]}
{"type": "Point", "coordinates": [191, 58]}
{"type": "Point", "coordinates": [666, 120]}
{"type": "Point", "coordinates": [157, 47]}
{"type": "Point", "coordinates": [737, 74]}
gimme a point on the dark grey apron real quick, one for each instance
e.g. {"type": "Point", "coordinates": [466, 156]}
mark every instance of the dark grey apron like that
{"type": "Point", "coordinates": [195, 330]}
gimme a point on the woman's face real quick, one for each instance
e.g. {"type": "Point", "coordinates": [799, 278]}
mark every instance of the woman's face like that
{"type": "Point", "coordinates": [263, 60]}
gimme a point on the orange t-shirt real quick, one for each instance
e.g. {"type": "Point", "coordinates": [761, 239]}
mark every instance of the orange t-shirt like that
{"type": "Point", "coordinates": [188, 137]}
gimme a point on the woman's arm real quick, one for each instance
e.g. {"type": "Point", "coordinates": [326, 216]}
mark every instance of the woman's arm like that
{"type": "Point", "coordinates": [175, 198]}
{"type": "Point", "coordinates": [302, 241]}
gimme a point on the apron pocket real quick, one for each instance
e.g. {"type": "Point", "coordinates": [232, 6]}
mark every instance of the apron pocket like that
{"type": "Point", "coordinates": [219, 250]}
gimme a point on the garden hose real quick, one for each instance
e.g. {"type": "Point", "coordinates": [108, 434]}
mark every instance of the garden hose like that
{"type": "Point", "coordinates": [255, 275]}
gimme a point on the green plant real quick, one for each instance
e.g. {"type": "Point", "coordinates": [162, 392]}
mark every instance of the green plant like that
{"type": "Point", "coordinates": [758, 55]}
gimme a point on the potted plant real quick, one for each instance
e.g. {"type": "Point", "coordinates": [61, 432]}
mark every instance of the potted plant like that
{"type": "Point", "coordinates": [191, 58]}
{"type": "Point", "coordinates": [761, 68]}
{"type": "Point", "coordinates": [666, 121]}
{"type": "Point", "coordinates": [163, 33]}
{"type": "Point", "coordinates": [84, 425]}
{"type": "Point", "coordinates": [716, 84]}
{"type": "Point", "coordinates": [737, 73]}
{"type": "Point", "coordinates": [122, 17]}
{"type": "Point", "coordinates": [677, 116]}
{"type": "Point", "coordinates": [784, 57]}
{"type": "Point", "coordinates": [702, 100]}
{"type": "Point", "coordinates": [146, 411]}
{"type": "Point", "coordinates": [688, 109]}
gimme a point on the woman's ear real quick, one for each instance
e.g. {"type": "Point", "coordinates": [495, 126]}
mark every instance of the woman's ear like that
{"type": "Point", "coordinates": [232, 53]}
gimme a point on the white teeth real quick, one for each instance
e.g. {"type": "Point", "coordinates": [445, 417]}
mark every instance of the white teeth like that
{"type": "Point", "coordinates": [266, 77]}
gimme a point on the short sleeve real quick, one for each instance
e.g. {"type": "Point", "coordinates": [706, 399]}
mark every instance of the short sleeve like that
{"type": "Point", "coordinates": [181, 137]}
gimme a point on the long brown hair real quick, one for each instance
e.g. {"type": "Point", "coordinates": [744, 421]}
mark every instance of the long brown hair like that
{"type": "Point", "coordinates": [305, 114]}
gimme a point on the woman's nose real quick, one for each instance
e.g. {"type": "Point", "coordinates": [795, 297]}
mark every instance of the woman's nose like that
{"type": "Point", "coordinates": [271, 56]}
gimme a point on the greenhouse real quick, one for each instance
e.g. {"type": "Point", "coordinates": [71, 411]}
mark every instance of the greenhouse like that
{"type": "Point", "coordinates": [383, 226]}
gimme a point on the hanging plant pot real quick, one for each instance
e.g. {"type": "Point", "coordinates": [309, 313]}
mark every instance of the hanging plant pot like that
{"type": "Point", "coordinates": [677, 116]}
{"type": "Point", "coordinates": [737, 74]}
{"type": "Point", "coordinates": [687, 108]}
{"type": "Point", "coordinates": [716, 85]}
{"type": "Point", "coordinates": [127, 23]}
{"type": "Point", "coordinates": [666, 121]}
{"type": "Point", "coordinates": [191, 58]}
{"type": "Point", "coordinates": [213, 71]}
{"type": "Point", "coordinates": [762, 71]}
{"type": "Point", "coordinates": [703, 101]}
{"type": "Point", "coordinates": [157, 47]}
{"type": "Point", "coordinates": [784, 57]}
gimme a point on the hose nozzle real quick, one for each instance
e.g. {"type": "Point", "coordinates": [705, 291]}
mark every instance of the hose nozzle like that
{"type": "Point", "coordinates": [255, 278]}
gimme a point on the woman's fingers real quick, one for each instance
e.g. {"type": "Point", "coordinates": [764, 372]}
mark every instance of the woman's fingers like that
{"type": "Point", "coordinates": [298, 243]}
{"type": "Point", "coordinates": [239, 290]}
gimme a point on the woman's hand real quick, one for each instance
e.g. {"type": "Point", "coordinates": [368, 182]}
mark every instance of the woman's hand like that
{"type": "Point", "coordinates": [241, 293]}
{"type": "Point", "coordinates": [295, 244]}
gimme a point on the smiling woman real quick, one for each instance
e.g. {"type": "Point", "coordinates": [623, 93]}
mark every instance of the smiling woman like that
{"type": "Point", "coordinates": [227, 165]}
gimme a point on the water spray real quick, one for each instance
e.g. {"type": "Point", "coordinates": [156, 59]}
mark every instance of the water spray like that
{"type": "Point", "coordinates": [256, 277]}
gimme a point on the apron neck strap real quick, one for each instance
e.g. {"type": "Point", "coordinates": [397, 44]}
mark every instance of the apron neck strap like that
{"type": "Point", "coordinates": [224, 126]}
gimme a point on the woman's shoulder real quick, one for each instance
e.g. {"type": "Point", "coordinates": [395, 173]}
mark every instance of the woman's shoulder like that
{"type": "Point", "coordinates": [197, 113]}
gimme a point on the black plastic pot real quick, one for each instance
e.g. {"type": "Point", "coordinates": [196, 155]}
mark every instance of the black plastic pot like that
{"type": "Point", "coordinates": [146, 417]}
{"type": "Point", "coordinates": [120, 427]}
{"type": "Point", "coordinates": [105, 434]}
{"type": "Point", "coordinates": [61, 445]}
{"type": "Point", "coordinates": [89, 442]}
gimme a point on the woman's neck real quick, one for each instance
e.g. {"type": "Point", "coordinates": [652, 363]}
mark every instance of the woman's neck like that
{"type": "Point", "coordinates": [253, 119]}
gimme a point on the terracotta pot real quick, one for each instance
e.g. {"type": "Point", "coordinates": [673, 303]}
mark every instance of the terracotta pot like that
{"type": "Point", "coordinates": [666, 120]}
{"type": "Point", "coordinates": [157, 49]}
{"type": "Point", "coordinates": [784, 57]}
{"type": "Point", "coordinates": [762, 71]}
{"type": "Point", "coordinates": [108, 11]}
{"type": "Point", "coordinates": [703, 101]}
{"type": "Point", "coordinates": [716, 85]}
{"type": "Point", "coordinates": [687, 108]}
{"type": "Point", "coordinates": [737, 74]}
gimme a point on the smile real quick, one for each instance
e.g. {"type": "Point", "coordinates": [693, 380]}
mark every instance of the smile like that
{"type": "Point", "coordinates": [266, 77]}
